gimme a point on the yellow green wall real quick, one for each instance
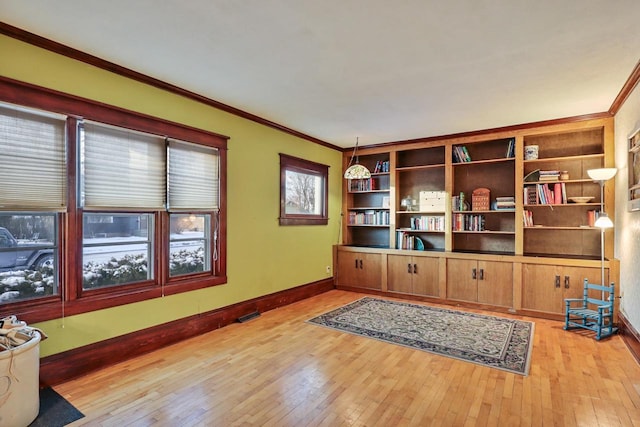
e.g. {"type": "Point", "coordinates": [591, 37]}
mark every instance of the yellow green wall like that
{"type": "Point", "coordinates": [262, 257]}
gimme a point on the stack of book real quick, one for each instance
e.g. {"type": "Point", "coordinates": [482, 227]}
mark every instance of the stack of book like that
{"type": "Point", "coordinates": [505, 202]}
{"type": "Point", "coordinates": [549, 175]}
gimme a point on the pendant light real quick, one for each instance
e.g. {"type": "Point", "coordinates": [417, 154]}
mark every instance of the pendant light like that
{"type": "Point", "coordinates": [356, 170]}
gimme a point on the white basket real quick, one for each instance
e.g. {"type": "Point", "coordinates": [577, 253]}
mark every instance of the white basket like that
{"type": "Point", "coordinates": [20, 384]}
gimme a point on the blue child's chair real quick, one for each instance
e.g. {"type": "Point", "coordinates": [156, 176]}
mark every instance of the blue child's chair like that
{"type": "Point", "coordinates": [592, 313]}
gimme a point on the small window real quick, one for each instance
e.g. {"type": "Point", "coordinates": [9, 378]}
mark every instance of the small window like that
{"type": "Point", "coordinates": [303, 191]}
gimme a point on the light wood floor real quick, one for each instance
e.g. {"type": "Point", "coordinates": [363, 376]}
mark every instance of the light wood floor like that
{"type": "Point", "coordinates": [277, 370]}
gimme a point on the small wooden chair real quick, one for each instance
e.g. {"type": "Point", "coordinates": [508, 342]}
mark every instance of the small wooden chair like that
{"type": "Point", "coordinates": [592, 313]}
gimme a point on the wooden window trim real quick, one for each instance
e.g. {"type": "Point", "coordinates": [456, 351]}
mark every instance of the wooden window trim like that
{"type": "Point", "coordinates": [72, 300]}
{"type": "Point", "coordinates": [294, 163]}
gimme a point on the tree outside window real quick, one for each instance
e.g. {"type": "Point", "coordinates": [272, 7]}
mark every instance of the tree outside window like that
{"type": "Point", "coordinates": [303, 192]}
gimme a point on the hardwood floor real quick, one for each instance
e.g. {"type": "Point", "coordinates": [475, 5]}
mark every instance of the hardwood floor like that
{"type": "Point", "coordinates": [277, 370]}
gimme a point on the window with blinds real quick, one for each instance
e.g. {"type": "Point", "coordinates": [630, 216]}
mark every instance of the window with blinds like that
{"type": "Point", "coordinates": [194, 179]}
{"type": "Point", "coordinates": [121, 168]}
{"type": "Point", "coordinates": [33, 161]}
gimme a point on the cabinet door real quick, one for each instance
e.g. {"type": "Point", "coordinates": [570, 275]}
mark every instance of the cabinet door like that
{"type": "Point", "coordinates": [399, 273]}
{"type": "Point", "coordinates": [370, 271]}
{"type": "Point", "coordinates": [462, 283]}
{"type": "Point", "coordinates": [348, 273]}
{"type": "Point", "coordinates": [542, 288]}
{"type": "Point", "coordinates": [425, 276]}
{"type": "Point", "coordinates": [495, 283]}
{"type": "Point", "coordinates": [573, 280]}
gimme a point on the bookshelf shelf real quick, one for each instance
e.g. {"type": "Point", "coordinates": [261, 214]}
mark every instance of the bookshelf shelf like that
{"type": "Point", "coordinates": [484, 232]}
{"type": "Point", "coordinates": [416, 168]}
{"type": "Point", "coordinates": [493, 211]}
{"type": "Point", "coordinates": [483, 162]}
{"type": "Point", "coordinates": [565, 158]}
{"type": "Point", "coordinates": [548, 227]}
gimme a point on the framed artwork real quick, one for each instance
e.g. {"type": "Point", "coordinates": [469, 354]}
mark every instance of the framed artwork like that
{"type": "Point", "coordinates": [633, 203]}
{"type": "Point", "coordinates": [303, 191]}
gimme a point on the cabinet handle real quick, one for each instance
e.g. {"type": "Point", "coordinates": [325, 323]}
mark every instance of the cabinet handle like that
{"type": "Point", "coordinates": [415, 268]}
{"type": "Point", "coordinates": [409, 268]}
{"type": "Point", "coordinates": [360, 264]}
{"type": "Point", "coordinates": [557, 281]}
{"type": "Point", "coordinates": [566, 282]}
{"type": "Point", "coordinates": [482, 274]}
{"type": "Point", "coordinates": [473, 274]}
{"type": "Point", "coordinates": [356, 263]}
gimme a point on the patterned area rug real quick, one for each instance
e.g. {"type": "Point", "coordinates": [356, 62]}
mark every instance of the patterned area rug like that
{"type": "Point", "coordinates": [486, 340]}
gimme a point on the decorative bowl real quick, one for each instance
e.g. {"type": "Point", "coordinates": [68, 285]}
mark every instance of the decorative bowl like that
{"type": "Point", "coordinates": [582, 199]}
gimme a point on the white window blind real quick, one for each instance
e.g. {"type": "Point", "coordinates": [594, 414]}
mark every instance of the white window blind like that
{"type": "Point", "coordinates": [123, 168]}
{"type": "Point", "coordinates": [193, 176]}
{"type": "Point", "coordinates": [32, 160]}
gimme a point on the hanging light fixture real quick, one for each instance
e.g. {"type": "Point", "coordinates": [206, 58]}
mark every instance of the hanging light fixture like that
{"type": "Point", "coordinates": [356, 170]}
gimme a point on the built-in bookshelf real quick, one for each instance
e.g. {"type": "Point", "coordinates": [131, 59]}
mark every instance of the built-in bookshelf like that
{"type": "Point", "coordinates": [368, 204]}
{"type": "Point", "coordinates": [420, 208]}
{"type": "Point", "coordinates": [524, 206]}
{"type": "Point", "coordinates": [560, 199]}
{"type": "Point", "coordinates": [485, 176]}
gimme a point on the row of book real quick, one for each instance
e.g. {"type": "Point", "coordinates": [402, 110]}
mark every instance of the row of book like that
{"type": "Point", "coordinates": [511, 149]}
{"type": "Point", "coordinates": [369, 217]}
{"type": "Point", "coordinates": [527, 217]}
{"type": "Point", "coordinates": [408, 241]}
{"type": "Point", "coordinates": [545, 194]}
{"type": "Point", "coordinates": [428, 223]}
{"type": "Point", "coordinates": [460, 154]}
{"type": "Point", "coordinates": [356, 185]}
{"type": "Point", "coordinates": [381, 166]}
{"type": "Point", "coordinates": [468, 222]}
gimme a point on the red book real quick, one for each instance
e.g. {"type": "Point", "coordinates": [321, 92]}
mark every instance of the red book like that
{"type": "Point", "coordinates": [557, 193]}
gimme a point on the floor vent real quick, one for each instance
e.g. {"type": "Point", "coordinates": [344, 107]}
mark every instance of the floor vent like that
{"type": "Point", "coordinates": [248, 317]}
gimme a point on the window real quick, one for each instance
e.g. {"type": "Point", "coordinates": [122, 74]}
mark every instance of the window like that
{"type": "Point", "coordinates": [303, 192]}
{"type": "Point", "coordinates": [124, 207]}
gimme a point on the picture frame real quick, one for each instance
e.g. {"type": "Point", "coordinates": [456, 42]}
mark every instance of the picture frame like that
{"type": "Point", "coordinates": [633, 191]}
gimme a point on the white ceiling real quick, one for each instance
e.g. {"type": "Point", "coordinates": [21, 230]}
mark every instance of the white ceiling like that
{"type": "Point", "coordinates": [379, 69]}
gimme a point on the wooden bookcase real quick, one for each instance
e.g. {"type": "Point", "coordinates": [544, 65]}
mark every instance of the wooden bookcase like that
{"type": "Point", "coordinates": [517, 262]}
{"type": "Point", "coordinates": [558, 230]}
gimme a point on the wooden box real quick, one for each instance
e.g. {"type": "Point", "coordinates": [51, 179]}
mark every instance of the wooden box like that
{"type": "Point", "coordinates": [481, 199]}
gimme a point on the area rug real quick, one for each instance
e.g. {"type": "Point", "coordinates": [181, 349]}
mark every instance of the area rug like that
{"type": "Point", "coordinates": [496, 342]}
{"type": "Point", "coordinates": [55, 410]}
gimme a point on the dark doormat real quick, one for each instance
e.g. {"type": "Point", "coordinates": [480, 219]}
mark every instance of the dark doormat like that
{"type": "Point", "coordinates": [55, 410]}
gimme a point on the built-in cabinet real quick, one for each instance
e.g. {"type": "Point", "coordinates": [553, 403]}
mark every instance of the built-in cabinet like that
{"type": "Point", "coordinates": [360, 270]}
{"type": "Point", "coordinates": [518, 221]}
{"type": "Point", "coordinates": [485, 282]}
{"type": "Point", "coordinates": [544, 287]}
{"type": "Point", "coordinates": [413, 275]}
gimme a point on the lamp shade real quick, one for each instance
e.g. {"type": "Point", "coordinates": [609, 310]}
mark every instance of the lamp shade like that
{"type": "Point", "coordinates": [603, 221]}
{"type": "Point", "coordinates": [602, 174]}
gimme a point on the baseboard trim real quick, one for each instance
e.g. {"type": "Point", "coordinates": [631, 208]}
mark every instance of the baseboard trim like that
{"type": "Point", "coordinates": [67, 365]}
{"type": "Point", "coordinates": [630, 336]}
